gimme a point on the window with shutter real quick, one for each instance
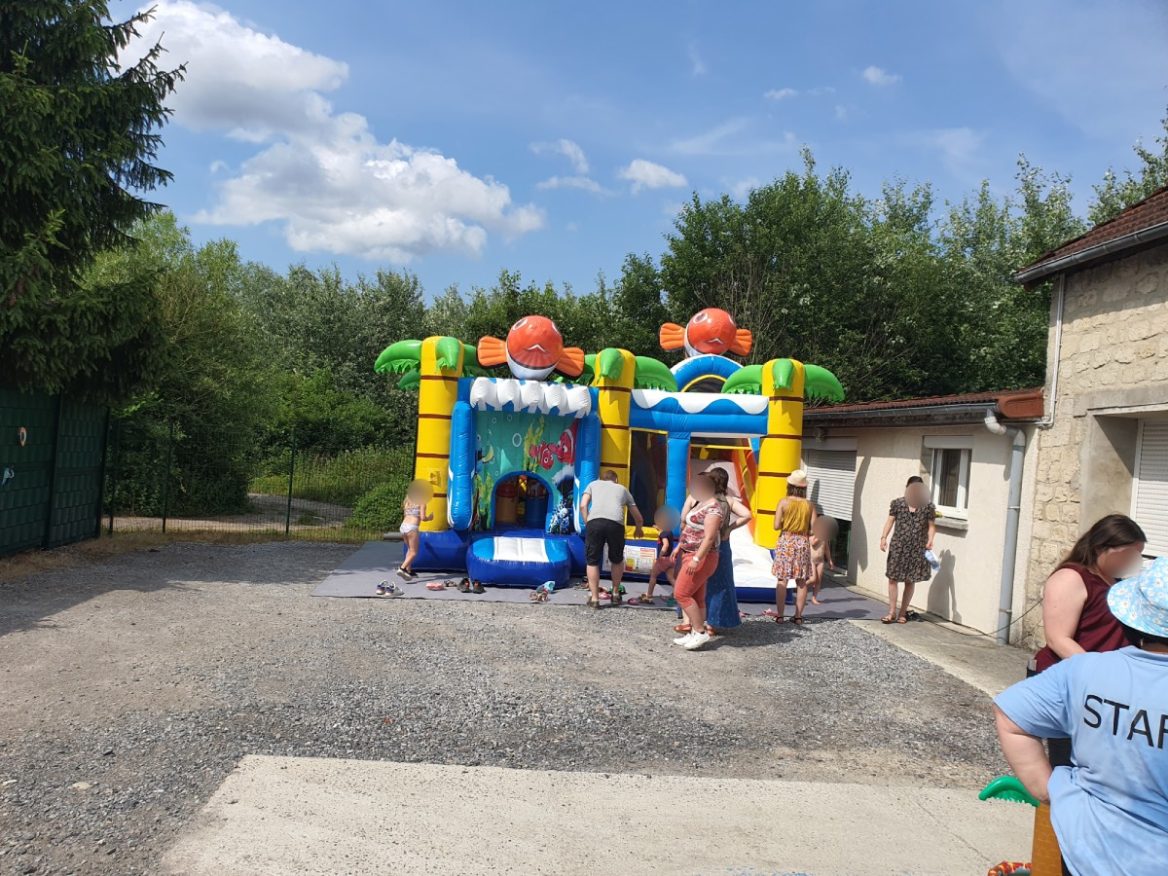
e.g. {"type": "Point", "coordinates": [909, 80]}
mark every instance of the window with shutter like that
{"type": "Point", "coordinates": [831, 481]}
{"type": "Point", "coordinates": [1150, 490]}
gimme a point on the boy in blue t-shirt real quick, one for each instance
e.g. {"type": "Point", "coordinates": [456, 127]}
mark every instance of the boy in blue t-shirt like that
{"type": "Point", "coordinates": [1110, 809]}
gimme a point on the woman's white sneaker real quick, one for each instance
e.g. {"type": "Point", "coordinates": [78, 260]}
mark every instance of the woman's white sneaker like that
{"type": "Point", "coordinates": [696, 641]}
{"type": "Point", "coordinates": [681, 640]}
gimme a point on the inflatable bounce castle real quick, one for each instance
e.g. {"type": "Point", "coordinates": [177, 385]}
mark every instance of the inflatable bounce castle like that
{"type": "Point", "coordinates": [508, 457]}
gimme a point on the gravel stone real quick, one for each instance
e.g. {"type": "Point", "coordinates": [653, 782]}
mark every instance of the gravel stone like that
{"type": "Point", "coordinates": [133, 686]}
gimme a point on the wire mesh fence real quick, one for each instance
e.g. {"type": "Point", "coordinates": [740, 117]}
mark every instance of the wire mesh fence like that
{"type": "Point", "coordinates": [163, 475]}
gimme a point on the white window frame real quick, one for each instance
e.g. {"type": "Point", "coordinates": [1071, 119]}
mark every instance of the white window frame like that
{"type": "Point", "coordinates": [961, 509]}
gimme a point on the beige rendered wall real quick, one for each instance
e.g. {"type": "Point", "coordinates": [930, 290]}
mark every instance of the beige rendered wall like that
{"type": "Point", "coordinates": [966, 588]}
{"type": "Point", "coordinates": [1112, 368]}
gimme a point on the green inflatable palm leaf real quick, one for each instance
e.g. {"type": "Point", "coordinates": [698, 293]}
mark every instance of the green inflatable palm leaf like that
{"type": "Point", "coordinates": [783, 372]}
{"type": "Point", "coordinates": [410, 380]}
{"type": "Point", "coordinates": [608, 363]}
{"type": "Point", "coordinates": [653, 374]}
{"type": "Point", "coordinates": [744, 381]}
{"type": "Point", "coordinates": [1007, 788]}
{"type": "Point", "coordinates": [399, 358]}
{"type": "Point", "coordinates": [819, 383]}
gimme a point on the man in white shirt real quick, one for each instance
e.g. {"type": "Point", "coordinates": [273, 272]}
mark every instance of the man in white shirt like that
{"type": "Point", "coordinates": [602, 508]}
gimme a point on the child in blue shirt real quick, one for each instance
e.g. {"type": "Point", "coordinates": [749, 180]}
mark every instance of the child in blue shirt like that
{"type": "Point", "coordinates": [1110, 808]}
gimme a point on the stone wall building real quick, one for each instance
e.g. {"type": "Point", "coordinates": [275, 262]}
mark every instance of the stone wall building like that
{"type": "Point", "coordinates": [1103, 444]}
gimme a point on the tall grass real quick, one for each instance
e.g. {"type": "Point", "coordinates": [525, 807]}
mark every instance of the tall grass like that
{"type": "Point", "coordinates": [341, 479]}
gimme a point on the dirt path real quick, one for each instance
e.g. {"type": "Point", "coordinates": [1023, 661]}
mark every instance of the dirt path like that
{"type": "Point", "coordinates": [270, 513]}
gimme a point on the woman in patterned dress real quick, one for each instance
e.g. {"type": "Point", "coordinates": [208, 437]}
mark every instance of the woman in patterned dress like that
{"type": "Point", "coordinates": [697, 551]}
{"type": "Point", "coordinates": [793, 519]}
{"type": "Point", "coordinates": [721, 597]}
{"type": "Point", "coordinates": [912, 520]}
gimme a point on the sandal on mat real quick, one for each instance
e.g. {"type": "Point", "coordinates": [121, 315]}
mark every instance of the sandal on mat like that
{"type": "Point", "coordinates": [478, 587]}
{"type": "Point", "coordinates": [435, 585]}
{"type": "Point", "coordinates": [464, 585]}
{"type": "Point", "coordinates": [888, 619]}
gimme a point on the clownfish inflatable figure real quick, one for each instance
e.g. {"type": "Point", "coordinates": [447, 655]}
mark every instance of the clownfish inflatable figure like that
{"type": "Point", "coordinates": [709, 331]}
{"type": "Point", "coordinates": [534, 349]}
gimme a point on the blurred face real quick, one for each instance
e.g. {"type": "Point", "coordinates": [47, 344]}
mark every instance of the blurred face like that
{"type": "Point", "coordinates": [916, 495]}
{"type": "Point", "coordinates": [701, 488]}
{"type": "Point", "coordinates": [1121, 562]}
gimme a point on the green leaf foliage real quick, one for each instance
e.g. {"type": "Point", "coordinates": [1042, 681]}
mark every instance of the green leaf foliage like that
{"type": "Point", "coordinates": [78, 138]}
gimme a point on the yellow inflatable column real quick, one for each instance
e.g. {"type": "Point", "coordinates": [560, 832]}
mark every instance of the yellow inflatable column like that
{"type": "Point", "coordinates": [441, 366]}
{"type": "Point", "coordinates": [781, 448]}
{"type": "Point", "coordinates": [615, 372]}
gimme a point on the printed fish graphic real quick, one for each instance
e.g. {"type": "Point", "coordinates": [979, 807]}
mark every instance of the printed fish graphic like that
{"type": "Point", "coordinates": [709, 331]}
{"type": "Point", "coordinates": [534, 349]}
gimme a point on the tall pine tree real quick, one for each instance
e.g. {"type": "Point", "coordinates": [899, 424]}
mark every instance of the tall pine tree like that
{"type": "Point", "coordinates": [78, 139]}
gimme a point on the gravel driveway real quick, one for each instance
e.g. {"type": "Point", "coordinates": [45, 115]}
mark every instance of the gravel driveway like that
{"type": "Point", "coordinates": [132, 686]}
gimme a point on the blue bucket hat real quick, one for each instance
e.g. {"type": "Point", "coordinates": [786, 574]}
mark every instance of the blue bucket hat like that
{"type": "Point", "coordinates": [1141, 602]}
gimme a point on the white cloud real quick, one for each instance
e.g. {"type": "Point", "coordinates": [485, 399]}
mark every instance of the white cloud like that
{"type": "Point", "coordinates": [697, 67]}
{"type": "Point", "coordinates": [732, 138]}
{"type": "Point", "coordinates": [841, 112]}
{"type": "Point", "coordinates": [821, 90]}
{"type": "Point", "coordinates": [323, 175]}
{"type": "Point", "coordinates": [780, 93]}
{"type": "Point", "coordinates": [650, 175]}
{"type": "Point", "coordinates": [218, 166]}
{"type": "Point", "coordinates": [960, 149]}
{"type": "Point", "coordinates": [583, 183]}
{"type": "Point", "coordinates": [1110, 76]}
{"type": "Point", "coordinates": [743, 187]}
{"type": "Point", "coordinates": [710, 142]}
{"type": "Point", "coordinates": [567, 148]}
{"type": "Point", "coordinates": [880, 77]}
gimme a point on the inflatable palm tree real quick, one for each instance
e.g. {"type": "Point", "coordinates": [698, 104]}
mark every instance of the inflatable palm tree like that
{"type": "Point", "coordinates": [433, 366]}
{"type": "Point", "coordinates": [787, 384]}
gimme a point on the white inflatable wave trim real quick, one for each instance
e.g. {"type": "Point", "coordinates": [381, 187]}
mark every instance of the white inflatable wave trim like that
{"type": "Point", "coordinates": [532, 396]}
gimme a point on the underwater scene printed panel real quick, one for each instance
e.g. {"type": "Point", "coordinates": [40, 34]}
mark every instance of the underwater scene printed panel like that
{"type": "Point", "coordinates": [511, 443]}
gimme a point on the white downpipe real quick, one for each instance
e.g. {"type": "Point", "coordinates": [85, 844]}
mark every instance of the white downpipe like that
{"type": "Point", "coordinates": [1013, 515]}
{"type": "Point", "coordinates": [1059, 310]}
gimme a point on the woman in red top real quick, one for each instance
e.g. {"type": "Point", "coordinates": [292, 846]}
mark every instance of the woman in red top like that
{"type": "Point", "coordinates": [1075, 615]}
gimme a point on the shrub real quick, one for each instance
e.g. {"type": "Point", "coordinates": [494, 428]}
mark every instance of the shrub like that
{"type": "Point", "coordinates": [342, 479]}
{"type": "Point", "coordinates": [380, 509]}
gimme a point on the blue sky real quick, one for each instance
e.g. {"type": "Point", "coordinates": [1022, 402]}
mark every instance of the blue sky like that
{"type": "Point", "coordinates": [456, 139]}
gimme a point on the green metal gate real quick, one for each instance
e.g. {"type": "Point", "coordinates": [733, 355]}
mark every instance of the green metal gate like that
{"type": "Point", "coordinates": [52, 453]}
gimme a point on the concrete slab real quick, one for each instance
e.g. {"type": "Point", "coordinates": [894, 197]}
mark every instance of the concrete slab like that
{"type": "Point", "coordinates": [308, 816]}
{"type": "Point", "coordinates": [976, 659]}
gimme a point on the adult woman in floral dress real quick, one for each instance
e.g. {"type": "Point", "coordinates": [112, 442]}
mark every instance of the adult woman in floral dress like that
{"type": "Point", "coordinates": [912, 520]}
{"type": "Point", "coordinates": [793, 519]}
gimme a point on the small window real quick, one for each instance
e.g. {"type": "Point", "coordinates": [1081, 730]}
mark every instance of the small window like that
{"type": "Point", "coordinates": [951, 480]}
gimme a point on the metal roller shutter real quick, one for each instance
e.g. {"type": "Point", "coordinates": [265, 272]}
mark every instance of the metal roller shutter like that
{"type": "Point", "coordinates": [1150, 491]}
{"type": "Point", "coordinates": [831, 481]}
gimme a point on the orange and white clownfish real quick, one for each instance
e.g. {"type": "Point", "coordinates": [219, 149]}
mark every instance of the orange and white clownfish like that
{"type": "Point", "coordinates": [709, 331]}
{"type": "Point", "coordinates": [534, 349]}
